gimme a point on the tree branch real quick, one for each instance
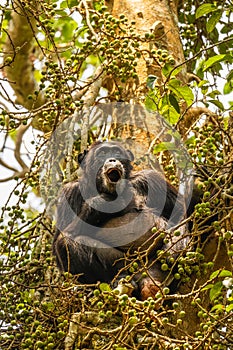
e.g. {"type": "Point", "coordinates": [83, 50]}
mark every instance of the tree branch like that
{"type": "Point", "coordinates": [20, 132]}
{"type": "Point", "coordinates": [18, 51]}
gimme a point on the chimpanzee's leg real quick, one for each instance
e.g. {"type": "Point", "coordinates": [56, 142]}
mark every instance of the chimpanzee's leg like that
{"type": "Point", "coordinates": [149, 286]}
{"type": "Point", "coordinates": [96, 261]}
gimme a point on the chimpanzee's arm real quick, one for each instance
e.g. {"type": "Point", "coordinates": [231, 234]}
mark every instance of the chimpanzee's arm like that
{"type": "Point", "coordinates": [74, 245]}
{"type": "Point", "coordinates": [97, 211]}
{"type": "Point", "coordinates": [159, 194]}
{"type": "Point", "coordinates": [72, 206]}
{"type": "Point", "coordinates": [70, 203]}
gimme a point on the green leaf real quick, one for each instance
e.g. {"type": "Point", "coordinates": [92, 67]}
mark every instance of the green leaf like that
{"type": "Point", "coordinates": [171, 115]}
{"type": "Point", "coordinates": [13, 135]}
{"type": "Point", "coordinates": [205, 9]}
{"type": "Point", "coordinates": [230, 75]}
{"type": "Point", "coordinates": [181, 91]}
{"type": "Point", "coordinates": [37, 75]}
{"type": "Point", "coordinates": [212, 60]}
{"type": "Point", "coordinates": [176, 71]}
{"type": "Point", "coordinates": [217, 307]}
{"type": "Point", "coordinates": [63, 5]}
{"type": "Point", "coordinates": [214, 274]}
{"type": "Point", "coordinates": [150, 101]}
{"type": "Point", "coordinates": [225, 273]}
{"type": "Point", "coordinates": [228, 87]}
{"type": "Point", "coordinates": [221, 273]}
{"type": "Point", "coordinates": [66, 31]}
{"type": "Point", "coordinates": [49, 306]}
{"type": "Point", "coordinates": [218, 104]}
{"type": "Point", "coordinates": [229, 308]}
{"type": "Point", "coordinates": [203, 82]}
{"type": "Point", "coordinates": [151, 80]}
{"type": "Point", "coordinates": [216, 290]}
{"type": "Point", "coordinates": [207, 287]}
{"type": "Point", "coordinates": [213, 20]}
{"type": "Point", "coordinates": [164, 146]}
{"type": "Point", "coordinates": [214, 93]}
{"type": "Point", "coordinates": [97, 5]}
{"type": "Point", "coordinates": [72, 3]}
{"type": "Point", "coordinates": [166, 109]}
{"type": "Point", "coordinates": [168, 70]}
{"type": "Point", "coordinates": [227, 28]}
{"type": "Point", "coordinates": [173, 102]}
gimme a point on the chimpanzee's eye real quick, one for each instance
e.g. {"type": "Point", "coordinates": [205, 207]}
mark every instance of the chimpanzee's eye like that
{"type": "Point", "coordinates": [101, 154]}
{"type": "Point", "coordinates": [116, 153]}
{"type": "Point", "coordinates": [109, 152]}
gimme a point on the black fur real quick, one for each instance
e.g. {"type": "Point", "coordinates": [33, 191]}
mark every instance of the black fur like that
{"type": "Point", "coordinates": [111, 211]}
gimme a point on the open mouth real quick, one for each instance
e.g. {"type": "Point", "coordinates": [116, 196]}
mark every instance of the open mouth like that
{"type": "Point", "coordinates": [114, 175]}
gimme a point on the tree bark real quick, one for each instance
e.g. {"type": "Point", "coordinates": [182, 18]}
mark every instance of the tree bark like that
{"type": "Point", "coordinates": [158, 18]}
{"type": "Point", "coordinates": [19, 48]}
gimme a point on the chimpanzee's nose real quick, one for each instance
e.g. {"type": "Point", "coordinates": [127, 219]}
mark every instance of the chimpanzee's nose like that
{"type": "Point", "coordinates": [112, 160]}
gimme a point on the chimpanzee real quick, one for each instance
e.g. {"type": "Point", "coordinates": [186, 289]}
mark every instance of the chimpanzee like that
{"type": "Point", "coordinates": [109, 213]}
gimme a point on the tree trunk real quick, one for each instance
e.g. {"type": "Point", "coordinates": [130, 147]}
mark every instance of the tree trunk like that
{"type": "Point", "coordinates": [158, 18]}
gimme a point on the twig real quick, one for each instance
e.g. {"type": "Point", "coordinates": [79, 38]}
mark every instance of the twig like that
{"type": "Point", "coordinates": [9, 167]}
{"type": "Point", "coordinates": [87, 18]}
{"type": "Point", "coordinates": [22, 129]}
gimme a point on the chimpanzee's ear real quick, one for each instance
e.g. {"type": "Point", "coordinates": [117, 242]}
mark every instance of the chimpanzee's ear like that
{"type": "Point", "coordinates": [130, 155]}
{"type": "Point", "coordinates": [81, 158]}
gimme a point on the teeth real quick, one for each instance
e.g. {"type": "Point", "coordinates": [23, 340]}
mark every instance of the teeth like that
{"type": "Point", "coordinates": [114, 170]}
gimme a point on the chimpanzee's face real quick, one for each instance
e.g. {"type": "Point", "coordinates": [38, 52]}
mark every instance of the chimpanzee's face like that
{"type": "Point", "coordinates": [107, 164]}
